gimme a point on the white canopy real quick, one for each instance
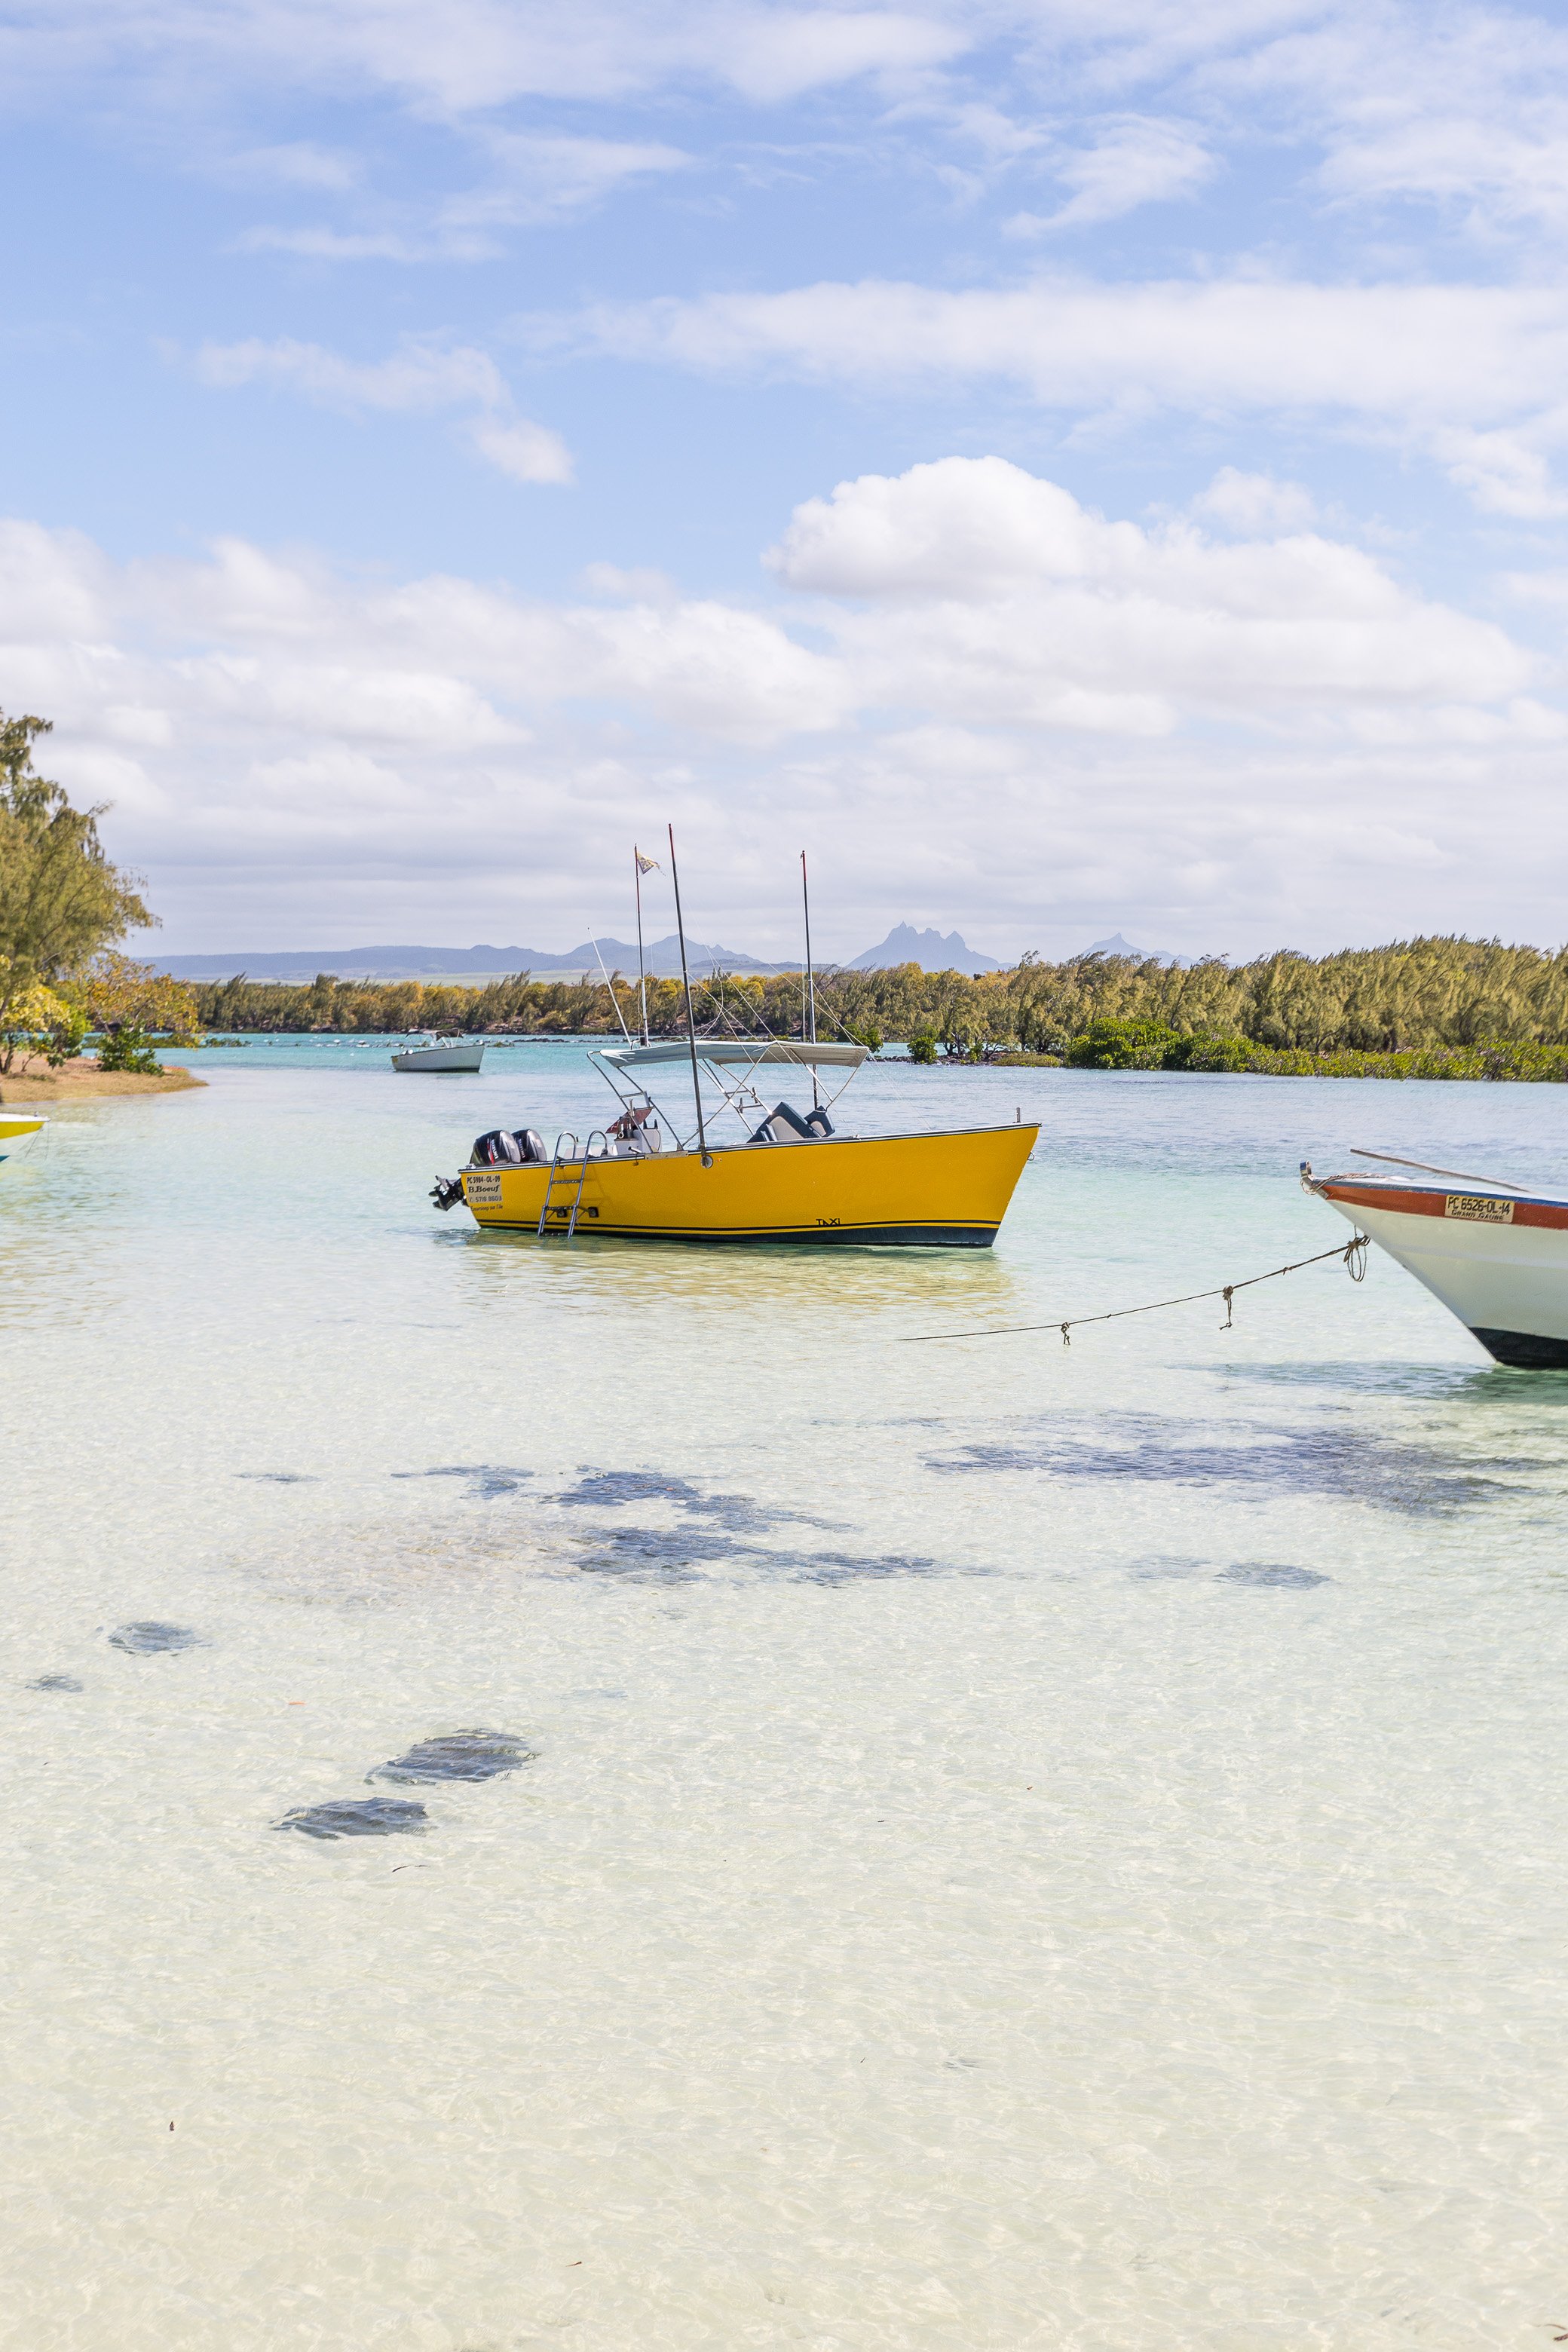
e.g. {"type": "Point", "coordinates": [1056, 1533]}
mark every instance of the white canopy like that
{"type": "Point", "coordinates": [742, 1053]}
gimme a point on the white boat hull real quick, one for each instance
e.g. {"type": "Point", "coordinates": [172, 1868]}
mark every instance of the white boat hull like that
{"type": "Point", "coordinates": [452, 1059]}
{"type": "Point", "coordinates": [1497, 1261]}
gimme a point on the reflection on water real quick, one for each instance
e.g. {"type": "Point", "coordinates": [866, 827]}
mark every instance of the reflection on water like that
{"type": "Point", "coordinates": [904, 1849]}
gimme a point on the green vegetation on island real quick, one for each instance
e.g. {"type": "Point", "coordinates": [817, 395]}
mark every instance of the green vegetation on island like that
{"type": "Point", "coordinates": [1438, 1008]}
{"type": "Point", "coordinates": [62, 907]}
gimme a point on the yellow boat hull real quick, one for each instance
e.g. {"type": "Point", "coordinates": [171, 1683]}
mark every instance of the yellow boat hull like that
{"type": "Point", "coordinates": [945, 1191]}
{"type": "Point", "coordinates": [14, 1125]}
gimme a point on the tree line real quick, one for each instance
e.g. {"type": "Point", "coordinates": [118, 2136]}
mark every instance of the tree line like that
{"type": "Point", "coordinates": [1412, 994]}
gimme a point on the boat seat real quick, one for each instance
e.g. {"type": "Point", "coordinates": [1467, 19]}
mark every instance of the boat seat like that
{"type": "Point", "coordinates": [784, 1124]}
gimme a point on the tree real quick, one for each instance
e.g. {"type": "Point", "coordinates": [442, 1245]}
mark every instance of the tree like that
{"type": "Point", "coordinates": [114, 992]}
{"type": "Point", "coordinates": [61, 900]}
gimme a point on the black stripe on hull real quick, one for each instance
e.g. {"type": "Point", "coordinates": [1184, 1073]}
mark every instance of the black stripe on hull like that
{"type": "Point", "coordinates": [1525, 1351]}
{"type": "Point", "coordinates": [807, 1236]}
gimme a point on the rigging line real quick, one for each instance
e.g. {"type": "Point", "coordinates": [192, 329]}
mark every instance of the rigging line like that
{"type": "Point", "coordinates": [1464, 1175]}
{"type": "Point", "coordinates": [1225, 1290]}
{"type": "Point", "coordinates": [614, 1000]}
{"type": "Point", "coordinates": [685, 984]}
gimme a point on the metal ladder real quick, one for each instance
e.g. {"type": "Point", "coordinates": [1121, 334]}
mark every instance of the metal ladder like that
{"type": "Point", "coordinates": [564, 1159]}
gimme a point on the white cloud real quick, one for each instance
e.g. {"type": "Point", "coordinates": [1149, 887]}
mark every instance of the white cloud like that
{"type": "Point", "coordinates": [1250, 504]}
{"type": "Point", "coordinates": [475, 56]}
{"type": "Point", "coordinates": [421, 376]}
{"type": "Point", "coordinates": [978, 687]}
{"type": "Point", "coordinates": [1460, 107]}
{"type": "Point", "coordinates": [1239, 344]}
{"type": "Point", "coordinates": [996, 597]}
{"type": "Point", "coordinates": [524, 452]}
{"type": "Point", "coordinates": [1431, 361]}
{"type": "Point", "coordinates": [538, 177]}
{"type": "Point", "coordinates": [320, 243]}
{"type": "Point", "coordinates": [1135, 160]}
{"type": "Point", "coordinates": [1503, 472]}
{"type": "Point", "coordinates": [292, 164]}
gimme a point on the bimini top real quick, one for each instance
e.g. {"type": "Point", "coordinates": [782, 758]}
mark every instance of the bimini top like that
{"type": "Point", "coordinates": [743, 1052]}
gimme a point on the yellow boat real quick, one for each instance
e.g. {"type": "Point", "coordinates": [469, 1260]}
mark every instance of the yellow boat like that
{"type": "Point", "coordinates": [14, 1125]}
{"type": "Point", "coordinates": [791, 1179]}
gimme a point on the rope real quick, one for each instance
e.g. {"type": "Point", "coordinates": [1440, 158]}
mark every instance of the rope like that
{"type": "Point", "coordinates": [1354, 1254]}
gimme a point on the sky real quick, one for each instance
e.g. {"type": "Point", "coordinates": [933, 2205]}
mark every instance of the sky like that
{"type": "Point", "coordinates": [1069, 466]}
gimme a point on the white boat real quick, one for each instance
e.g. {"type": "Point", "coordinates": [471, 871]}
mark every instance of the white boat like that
{"type": "Point", "coordinates": [1495, 1254]}
{"type": "Point", "coordinates": [455, 1055]}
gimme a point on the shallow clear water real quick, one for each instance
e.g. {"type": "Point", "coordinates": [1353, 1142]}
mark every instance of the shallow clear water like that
{"type": "Point", "coordinates": [962, 1894]}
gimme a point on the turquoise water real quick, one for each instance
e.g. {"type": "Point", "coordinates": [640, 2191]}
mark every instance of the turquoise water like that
{"type": "Point", "coordinates": [1024, 1846]}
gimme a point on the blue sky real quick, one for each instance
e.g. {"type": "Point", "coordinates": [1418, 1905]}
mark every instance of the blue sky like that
{"type": "Point", "coordinates": [1070, 467]}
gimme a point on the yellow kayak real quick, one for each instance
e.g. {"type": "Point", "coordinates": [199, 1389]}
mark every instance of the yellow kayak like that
{"type": "Point", "coordinates": [789, 1178]}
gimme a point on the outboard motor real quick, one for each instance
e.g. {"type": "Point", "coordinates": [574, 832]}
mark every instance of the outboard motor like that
{"type": "Point", "coordinates": [501, 1148]}
{"type": "Point", "coordinates": [809, 1129]}
{"type": "Point", "coordinates": [447, 1193]}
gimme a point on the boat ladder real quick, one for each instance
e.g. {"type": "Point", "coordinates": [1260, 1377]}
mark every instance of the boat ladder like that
{"type": "Point", "coordinates": [559, 1173]}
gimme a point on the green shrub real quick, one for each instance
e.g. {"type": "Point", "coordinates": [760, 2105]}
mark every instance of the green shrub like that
{"type": "Point", "coordinates": [1109, 1044]}
{"type": "Point", "coordinates": [922, 1045]}
{"type": "Point", "coordinates": [128, 1048]}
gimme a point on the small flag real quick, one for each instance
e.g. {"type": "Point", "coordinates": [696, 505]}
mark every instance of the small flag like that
{"type": "Point", "coordinates": [645, 865]}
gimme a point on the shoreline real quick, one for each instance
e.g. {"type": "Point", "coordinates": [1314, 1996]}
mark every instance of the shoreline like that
{"type": "Point", "coordinates": [81, 1080]}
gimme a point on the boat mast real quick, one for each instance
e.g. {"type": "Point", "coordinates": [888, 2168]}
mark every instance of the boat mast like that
{"type": "Point", "coordinates": [685, 984]}
{"type": "Point", "coordinates": [810, 1006]}
{"type": "Point", "coordinates": [642, 975]}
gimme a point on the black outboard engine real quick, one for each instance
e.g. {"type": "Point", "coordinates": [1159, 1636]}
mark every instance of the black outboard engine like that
{"type": "Point", "coordinates": [501, 1148]}
{"type": "Point", "coordinates": [815, 1125]}
{"type": "Point", "coordinates": [447, 1193]}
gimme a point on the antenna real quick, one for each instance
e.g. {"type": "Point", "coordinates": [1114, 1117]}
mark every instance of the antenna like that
{"type": "Point", "coordinates": [642, 974]}
{"type": "Point", "coordinates": [685, 984]}
{"type": "Point", "coordinates": [810, 1006]}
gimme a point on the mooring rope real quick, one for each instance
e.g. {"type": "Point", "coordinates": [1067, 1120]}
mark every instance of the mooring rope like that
{"type": "Point", "coordinates": [1354, 1254]}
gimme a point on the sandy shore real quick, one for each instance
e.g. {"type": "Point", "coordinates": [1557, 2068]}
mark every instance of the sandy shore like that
{"type": "Point", "coordinates": [82, 1081]}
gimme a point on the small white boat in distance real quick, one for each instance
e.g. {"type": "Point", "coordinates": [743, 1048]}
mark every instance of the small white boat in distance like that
{"type": "Point", "coordinates": [1495, 1254]}
{"type": "Point", "coordinates": [457, 1055]}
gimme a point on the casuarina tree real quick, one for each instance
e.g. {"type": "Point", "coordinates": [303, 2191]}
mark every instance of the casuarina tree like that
{"type": "Point", "coordinates": [61, 900]}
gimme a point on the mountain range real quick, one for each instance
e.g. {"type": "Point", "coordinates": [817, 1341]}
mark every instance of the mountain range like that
{"type": "Point", "coordinates": [931, 949]}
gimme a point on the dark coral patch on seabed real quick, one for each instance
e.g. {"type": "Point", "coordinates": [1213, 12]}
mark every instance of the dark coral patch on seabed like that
{"type": "Point", "coordinates": [146, 1637]}
{"type": "Point", "coordinates": [607, 1489]}
{"type": "Point", "coordinates": [457, 1756]}
{"type": "Point", "coordinates": [56, 1683]}
{"type": "Point", "coordinates": [1335, 1462]}
{"type": "Point", "coordinates": [357, 1817]}
{"type": "Point", "coordinates": [1272, 1572]}
{"type": "Point", "coordinates": [486, 1479]}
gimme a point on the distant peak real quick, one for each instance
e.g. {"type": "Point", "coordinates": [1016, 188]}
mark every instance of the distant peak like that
{"type": "Point", "coordinates": [933, 950]}
{"type": "Point", "coordinates": [1117, 946]}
